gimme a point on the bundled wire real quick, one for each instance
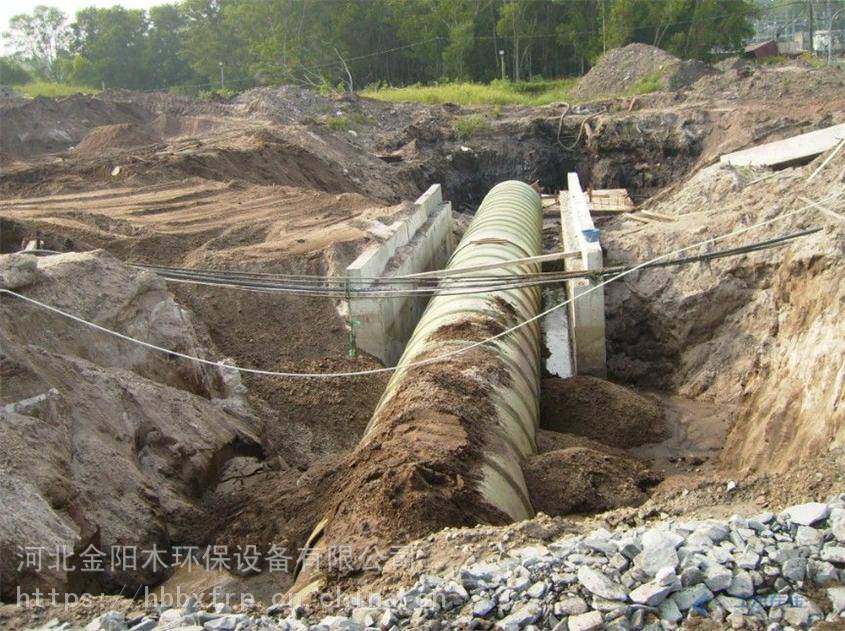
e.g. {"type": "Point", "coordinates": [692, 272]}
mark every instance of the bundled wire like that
{"type": "Point", "coordinates": [344, 288]}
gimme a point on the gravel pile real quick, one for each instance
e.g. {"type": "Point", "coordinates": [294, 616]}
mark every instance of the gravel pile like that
{"type": "Point", "coordinates": [767, 571]}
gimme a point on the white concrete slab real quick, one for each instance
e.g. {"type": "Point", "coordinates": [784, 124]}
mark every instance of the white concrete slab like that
{"type": "Point", "coordinates": [586, 313]}
{"type": "Point", "coordinates": [790, 150]}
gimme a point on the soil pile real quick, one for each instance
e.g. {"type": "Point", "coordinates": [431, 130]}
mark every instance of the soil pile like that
{"type": "Point", "coordinates": [109, 138]}
{"type": "Point", "coordinates": [575, 475]}
{"type": "Point", "coordinates": [600, 410]}
{"type": "Point", "coordinates": [620, 69]}
{"type": "Point", "coordinates": [104, 442]}
{"type": "Point", "coordinates": [33, 127]}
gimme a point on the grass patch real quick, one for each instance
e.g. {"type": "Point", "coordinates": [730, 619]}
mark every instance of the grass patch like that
{"type": "Point", "coordinates": [345, 122]}
{"type": "Point", "coordinates": [650, 83]}
{"type": "Point", "coordinates": [495, 93]}
{"type": "Point", "coordinates": [45, 88]}
{"type": "Point", "coordinates": [468, 126]}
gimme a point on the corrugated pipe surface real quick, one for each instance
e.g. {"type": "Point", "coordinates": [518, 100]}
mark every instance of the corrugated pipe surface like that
{"type": "Point", "coordinates": [446, 442]}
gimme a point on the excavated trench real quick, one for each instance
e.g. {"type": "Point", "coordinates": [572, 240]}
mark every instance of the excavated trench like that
{"type": "Point", "coordinates": [642, 153]}
{"type": "Point", "coordinates": [625, 153]}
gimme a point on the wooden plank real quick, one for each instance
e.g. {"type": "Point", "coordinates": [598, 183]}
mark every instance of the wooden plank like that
{"type": "Point", "coordinates": [791, 150]}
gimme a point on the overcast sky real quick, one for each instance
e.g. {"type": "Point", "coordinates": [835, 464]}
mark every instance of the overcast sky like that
{"type": "Point", "coordinates": [8, 8]}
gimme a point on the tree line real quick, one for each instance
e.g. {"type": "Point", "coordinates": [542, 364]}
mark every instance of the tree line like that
{"type": "Point", "coordinates": [353, 43]}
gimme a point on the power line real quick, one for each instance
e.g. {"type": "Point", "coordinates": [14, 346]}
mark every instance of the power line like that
{"type": "Point", "coordinates": [447, 286]}
{"type": "Point", "coordinates": [424, 362]}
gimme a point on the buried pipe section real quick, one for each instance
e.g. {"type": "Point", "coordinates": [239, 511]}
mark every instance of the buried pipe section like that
{"type": "Point", "coordinates": [446, 442]}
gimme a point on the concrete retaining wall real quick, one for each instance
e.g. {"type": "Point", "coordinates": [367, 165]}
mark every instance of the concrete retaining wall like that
{"type": "Point", "coordinates": [586, 312]}
{"type": "Point", "coordinates": [420, 243]}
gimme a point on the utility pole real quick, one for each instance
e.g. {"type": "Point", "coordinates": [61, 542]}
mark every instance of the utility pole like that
{"type": "Point", "coordinates": [830, 35]}
{"type": "Point", "coordinates": [812, 45]}
{"type": "Point", "coordinates": [222, 82]}
{"type": "Point", "coordinates": [603, 31]}
{"type": "Point", "coordinates": [502, 58]}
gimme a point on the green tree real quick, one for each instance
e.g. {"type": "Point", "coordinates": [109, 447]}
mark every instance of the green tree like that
{"type": "Point", "coordinates": [210, 39]}
{"type": "Point", "coordinates": [41, 37]}
{"type": "Point", "coordinates": [12, 72]}
{"type": "Point", "coordinates": [686, 28]}
{"type": "Point", "coordinates": [113, 42]}
{"type": "Point", "coordinates": [163, 55]}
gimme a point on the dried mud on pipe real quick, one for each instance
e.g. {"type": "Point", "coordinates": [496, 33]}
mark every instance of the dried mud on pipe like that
{"type": "Point", "coordinates": [417, 472]}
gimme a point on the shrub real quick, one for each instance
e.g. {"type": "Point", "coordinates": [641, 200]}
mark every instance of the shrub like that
{"type": "Point", "coordinates": [12, 73]}
{"type": "Point", "coordinates": [468, 126]}
{"type": "Point", "coordinates": [649, 83]}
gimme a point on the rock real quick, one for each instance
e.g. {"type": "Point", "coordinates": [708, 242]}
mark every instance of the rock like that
{"type": "Point", "coordinates": [486, 572]}
{"type": "Point", "coordinates": [691, 576]}
{"type": "Point", "coordinates": [228, 622]}
{"type": "Point", "coordinates": [571, 606]}
{"type": "Point", "coordinates": [109, 621]}
{"type": "Point", "coordinates": [483, 608]}
{"type": "Point", "coordinates": [730, 487]}
{"type": "Point", "coordinates": [809, 536]}
{"type": "Point", "coordinates": [807, 514]}
{"type": "Point", "coordinates": [712, 530]}
{"type": "Point", "coordinates": [796, 616]}
{"type": "Point", "coordinates": [537, 590]}
{"type": "Point", "coordinates": [669, 611]}
{"type": "Point", "coordinates": [833, 554]}
{"type": "Point", "coordinates": [837, 524]}
{"type": "Point", "coordinates": [741, 586]}
{"type": "Point", "coordinates": [628, 547]}
{"type": "Point", "coordinates": [718, 578]}
{"type": "Point", "coordinates": [366, 616]}
{"type": "Point", "coordinates": [694, 596]}
{"type": "Point", "coordinates": [666, 577]}
{"type": "Point", "coordinates": [18, 270]}
{"type": "Point", "coordinates": [520, 618]}
{"type": "Point", "coordinates": [600, 585]}
{"type": "Point", "coordinates": [822, 572]}
{"type": "Point", "coordinates": [748, 560]}
{"type": "Point", "coordinates": [658, 551]}
{"type": "Point", "coordinates": [170, 618]}
{"type": "Point", "coordinates": [144, 625]}
{"type": "Point", "coordinates": [836, 595]}
{"type": "Point", "coordinates": [650, 594]}
{"type": "Point", "coordinates": [794, 569]}
{"type": "Point", "coordinates": [586, 622]}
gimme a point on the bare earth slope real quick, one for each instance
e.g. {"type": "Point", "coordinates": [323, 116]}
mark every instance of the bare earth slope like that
{"type": "Point", "coordinates": [106, 443]}
{"type": "Point", "coordinates": [763, 329]}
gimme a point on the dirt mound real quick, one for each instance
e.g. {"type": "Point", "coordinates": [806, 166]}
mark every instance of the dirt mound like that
{"type": "Point", "coordinates": [36, 126]}
{"type": "Point", "coordinates": [110, 138]}
{"type": "Point", "coordinates": [620, 69]}
{"type": "Point", "coordinates": [602, 411]}
{"type": "Point", "coordinates": [774, 84]}
{"type": "Point", "coordinates": [577, 475]}
{"type": "Point", "coordinates": [104, 442]}
{"type": "Point", "coordinates": [284, 104]}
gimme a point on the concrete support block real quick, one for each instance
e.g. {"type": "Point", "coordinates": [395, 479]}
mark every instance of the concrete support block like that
{"type": "Point", "coordinates": [421, 243]}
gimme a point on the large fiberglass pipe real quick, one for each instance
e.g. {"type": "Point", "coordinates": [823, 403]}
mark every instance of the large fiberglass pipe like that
{"type": "Point", "coordinates": [446, 442]}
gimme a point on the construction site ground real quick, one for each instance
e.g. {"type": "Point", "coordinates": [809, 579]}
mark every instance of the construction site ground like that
{"type": "Point", "coordinates": [720, 372]}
